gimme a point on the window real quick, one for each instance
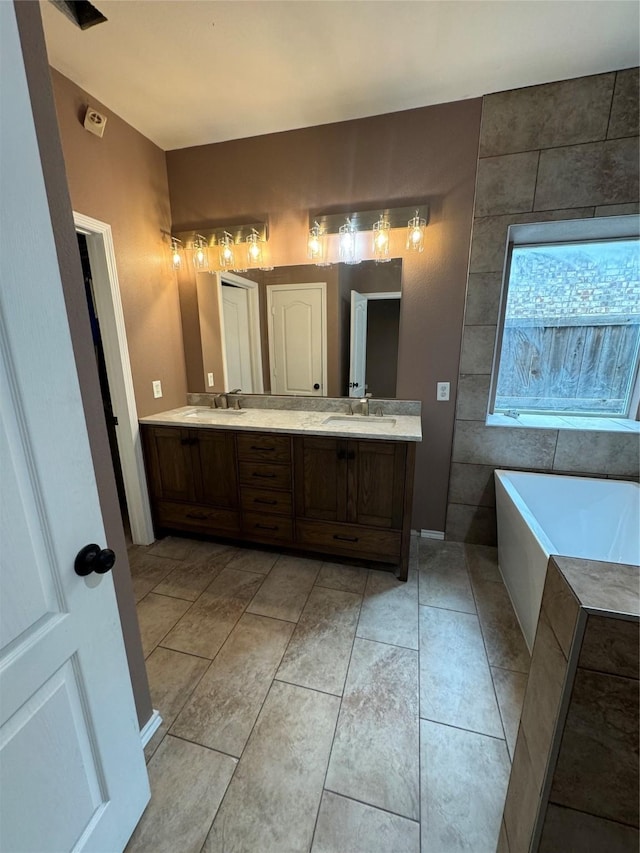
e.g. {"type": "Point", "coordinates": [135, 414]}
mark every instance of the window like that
{"type": "Point", "coordinates": [569, 340]}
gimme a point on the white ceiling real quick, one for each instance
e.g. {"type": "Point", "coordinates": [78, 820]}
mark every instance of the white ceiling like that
{"type": "Point", "coordinates": [189, 72]}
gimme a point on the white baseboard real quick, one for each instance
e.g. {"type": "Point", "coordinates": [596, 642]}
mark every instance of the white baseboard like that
{"type": "Point", "coordinates": [150, 727]}
{"type": "Point", "coordinates": [432, 534]}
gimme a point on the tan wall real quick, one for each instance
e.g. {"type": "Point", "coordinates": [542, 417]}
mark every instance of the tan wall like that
{"type": "Point", "coordinates": [121, 179]}
{"type": "Point", "coordinates": [385, 160]}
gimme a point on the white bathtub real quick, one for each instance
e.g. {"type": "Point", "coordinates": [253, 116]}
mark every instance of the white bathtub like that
{"type": "Point", "coordinates": [543, 514]}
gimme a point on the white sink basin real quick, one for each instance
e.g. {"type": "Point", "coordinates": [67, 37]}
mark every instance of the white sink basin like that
{"type": "Point", "coordinates": [371, 420]}
{"type": "Point", "coordinates": [212, 414]}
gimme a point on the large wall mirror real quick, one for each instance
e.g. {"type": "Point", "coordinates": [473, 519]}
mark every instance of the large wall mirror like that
{"type": "Point", "coordinates": [303, 330]}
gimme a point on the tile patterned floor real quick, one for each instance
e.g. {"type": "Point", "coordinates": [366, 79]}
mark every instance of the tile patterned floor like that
{"type": "Point", "coordinates": [313, 706]}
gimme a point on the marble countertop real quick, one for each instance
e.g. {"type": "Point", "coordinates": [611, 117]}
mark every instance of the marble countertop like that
{"type": "Point", "coordinates": [389, 427]}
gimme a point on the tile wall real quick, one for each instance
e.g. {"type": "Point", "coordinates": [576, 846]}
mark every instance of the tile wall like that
{"type": "Point", "coordinates": [558, 151]}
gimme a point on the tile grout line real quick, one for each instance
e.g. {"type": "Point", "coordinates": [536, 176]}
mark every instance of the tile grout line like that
{"type": "Point", "coordinates": [368, 805]}
{"type": "Point", "coordinates": [335, 728]}
{"type": "Point", "coordinates": [484, 644]}
{"type": "Point", "coordinates": [463, 729]}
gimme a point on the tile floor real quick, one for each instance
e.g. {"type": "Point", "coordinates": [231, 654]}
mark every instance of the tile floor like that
{"type": "Point", "coordinates": [313, 706]}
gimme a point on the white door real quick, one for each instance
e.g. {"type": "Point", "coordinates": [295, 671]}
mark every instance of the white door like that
{"type": "Point", "coordinates": [72, 772]}
{"type": "Point", "coordinates": [297, 338]}
{"type": "Point", "coordinates": [358, 345]}
{"type": "Point", "coordinates": [237, 337]}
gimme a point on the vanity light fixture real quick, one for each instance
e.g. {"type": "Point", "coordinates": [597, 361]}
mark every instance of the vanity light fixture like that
{"type": "Point", "coordinates": [254, 249]}
{"type": "Point", "coordinates": [317, 246]}
{"type": "Point", "coordinates": [381, 239]}
{"type": "Point", "coordinates": [348, 233]}
{"type": "Point", "coordinates": [176, 253]}
{"type": "Point", "coordinates": [415, 233]}
{"type": "Point", "coordinates": [227, 255]}
{"type": "Point", "coordinates": [200, 256]}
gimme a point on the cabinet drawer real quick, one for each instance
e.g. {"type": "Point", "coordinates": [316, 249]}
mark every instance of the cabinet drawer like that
{"type": "Point", "coordinates": [263, 474]}
{"type": "Point", "coordinates": [267, 528]}
{"type": "Point", "coordinates": [374, 544]}
{"type": "Point", "coordinates": [258, 447]}
{"type": "Point", "coordinates": [263, 500]}
{"type": "Point", "coordinates": [197, 517]}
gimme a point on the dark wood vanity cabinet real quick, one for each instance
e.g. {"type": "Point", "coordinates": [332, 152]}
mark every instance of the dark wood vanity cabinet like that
{"type": "Point", "coordinates": [353, 497]}
{"type": "Point", "coordinates": [192, 479]}
{"type": "Point", "coordinates": [347, 497]}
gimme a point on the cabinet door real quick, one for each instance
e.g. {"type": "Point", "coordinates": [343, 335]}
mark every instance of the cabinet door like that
{"type": "Point", "coordinates": [169, 463]}
{"type": "Point", "coordinates": [376, 477]}
{"type": "Point", "coordinates": [214, 464]}
{"type": "Point", "coordinates": [321, 478]}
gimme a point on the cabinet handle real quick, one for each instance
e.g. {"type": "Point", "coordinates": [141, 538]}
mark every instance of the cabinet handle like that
{"type": "Point", "coordinates": [342, 454]}
{"type": "Point", "coordinates": [266, 449]}
{"type": "Point", "coordinates": [201, 516]}
{"type": "Point", "coordinates": [190, 441]}
{"type": "Point", "coordinates": [345, 538]}
{"type": "Point", "coordinates": [265, 526]}
{"type": "Point", "coordinates": [263, 476]}
{"type": "Point", "coordinates": [264, 501]}
{"type": "Point", "coordinates": [351, 454]}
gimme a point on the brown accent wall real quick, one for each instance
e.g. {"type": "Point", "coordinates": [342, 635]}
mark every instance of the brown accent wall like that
{"type": "Point", "coordinates": [385, 160]}
{"type": "Point", "coordinates": [121, 179]}
{"type": "Point", "coordinates": [565, 150]}
{"type": "Point", "coordinates": [35, 57]}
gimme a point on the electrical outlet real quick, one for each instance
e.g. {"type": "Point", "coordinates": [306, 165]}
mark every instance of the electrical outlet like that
{"type": "Point", "coordinates": [443, 389]}
{"type": "Point", "coordinates": [157, 388]}
{"type": "Point", "coordinates": [210, 380]}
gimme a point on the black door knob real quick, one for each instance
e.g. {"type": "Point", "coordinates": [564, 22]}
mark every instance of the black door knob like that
{"type": "Point", "coordinates": [316, 387]}
{"type": "Point", "coordinates": [92, 558]}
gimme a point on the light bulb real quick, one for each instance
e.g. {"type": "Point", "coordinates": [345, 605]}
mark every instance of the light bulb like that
{"type": "Point", "coordinates": [415, 233]}
{"type": "Point", "coordinates": [381, 233]}
{"type": "Point", "coordinates": [177, 260]}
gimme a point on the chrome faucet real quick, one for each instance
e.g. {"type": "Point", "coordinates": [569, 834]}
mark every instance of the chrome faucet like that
{"type": "Point", "coordinates": [364, 406]}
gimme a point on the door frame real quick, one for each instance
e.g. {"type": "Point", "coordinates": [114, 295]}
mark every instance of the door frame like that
{"type": "Point", "coordinates": [255, 334]}
{"type": "Point", "coordinates": [383, 294]}
{"type": "Point", "coordinates": [108, 305]}
{"type": "Point", "coordinates": [289, 287]}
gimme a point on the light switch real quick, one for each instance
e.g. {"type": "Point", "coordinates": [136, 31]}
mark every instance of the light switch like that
{"type": "Point", "coordinates": [443, 389]}
{"type": "Point", "coordinates": [210, 381]}
{"type": "Point", "coordinates": [157, 388]}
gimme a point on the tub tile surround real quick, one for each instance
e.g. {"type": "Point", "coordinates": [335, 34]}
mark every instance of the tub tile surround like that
{"type": "Point", "coordinates": [576, 759]}
{"type": "Point", "coordinates": [395, 756]}
{"type": "Point", "coordinates": [582, 135]}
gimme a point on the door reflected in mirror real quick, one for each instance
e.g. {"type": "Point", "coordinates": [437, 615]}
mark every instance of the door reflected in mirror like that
{"type": "Point", "coordinates": [303, 330]}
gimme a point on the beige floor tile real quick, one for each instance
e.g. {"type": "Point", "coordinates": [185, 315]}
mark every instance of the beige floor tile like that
{"type": "Point", "coordinates": [157, 614]}
{"type": "Point", "coordinates": [319, 651]}
{"type": "Point", "coordinates": [455, 682]}
{"type": "Point", "coordinates": [187, 785]}
{"type": "Point", "coordinates": [172, 678]}
{"type": "Point", "coordinates": [286, 589]}
{"type": "Point", "coordinates": [346, 826]}
{"type": "Point", "coordinates": [172, 546]}
{"type": "Point", "coordinates": [464, 779]}
{"type": "Point", "coordinates": [211, 619]}
{"type": "Point", "coordinates": [189, 579]}
{"type": "Point", "coordinates": [147, 571]}
{"type": "Point", "coordinates": [250, 560]}
{"type": "Point", "coordinates": [374, 757]}
{"type": "Point", "coordinates": [482, 561]}
{"type": "Point", "coordinates": [390, 610]}
{"type": "Point", "coordinates": [340, 576]}
{"type": "Point", "coordinates": [273, 799]}
{"type": "Point", "coordinates": [444, 579]}
{"type": "Point", "coordinates": [510, 687]}
{"type": "Point", "coordinates": [505, 644]}
{"type": "Point", "coordinates": [224, 707]}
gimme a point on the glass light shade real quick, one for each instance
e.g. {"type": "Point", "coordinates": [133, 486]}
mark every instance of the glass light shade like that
{"type": "Point", "coordinates": [381, 239]}
{"type": "Point", "coordinates": [176, 253]}
{"type": "Point", "coordinates": [254, 250]}
{"type": "Point", "coordinates": [348, 233]}
{"type": "Point", "coordinates": [317, 246]}
{"type": "Point", "coordinates": [415, 233]}
{"type": "Point", "coordinates": [227, 256]}
{"type": "Point", "coordinates": [200, 256]}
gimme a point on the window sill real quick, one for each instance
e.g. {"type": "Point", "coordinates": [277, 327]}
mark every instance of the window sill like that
{"type": "Point", "coordinates": [565, 422]}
